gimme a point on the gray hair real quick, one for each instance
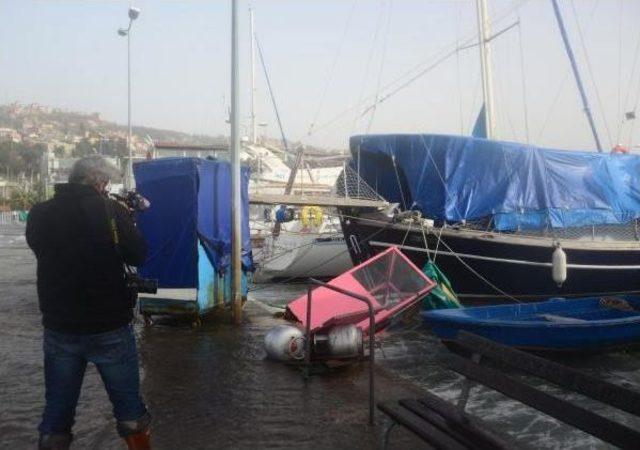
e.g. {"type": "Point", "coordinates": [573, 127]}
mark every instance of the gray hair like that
{"type": "Point", "coordinates": [92, 170]}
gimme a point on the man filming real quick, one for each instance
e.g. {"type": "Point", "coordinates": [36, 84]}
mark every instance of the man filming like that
{"type": "Point", "coordinates": [81, 240]}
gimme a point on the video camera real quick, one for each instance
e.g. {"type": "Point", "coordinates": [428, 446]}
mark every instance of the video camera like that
{"type": "Point", "coordinates": [134, 201]}
{"type": "Point", "coordinates": [135, 283]}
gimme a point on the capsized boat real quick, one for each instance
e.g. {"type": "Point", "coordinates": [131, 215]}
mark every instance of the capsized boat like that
{"type": "Point", "coordinates": [390, 281]}
{"type": "Point", "coordinates": [588, 324]}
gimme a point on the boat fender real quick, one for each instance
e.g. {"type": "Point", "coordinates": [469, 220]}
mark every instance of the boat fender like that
{"type": "Point", "coordinates": [311, 215]}
{"type": "Point", "coordinates": [285, 343]}
{"type": "Point", "coordinates": [559, 265]}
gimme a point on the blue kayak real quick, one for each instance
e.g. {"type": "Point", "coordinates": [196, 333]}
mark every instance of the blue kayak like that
{"type": "Point", "coordinates": [585, 324]}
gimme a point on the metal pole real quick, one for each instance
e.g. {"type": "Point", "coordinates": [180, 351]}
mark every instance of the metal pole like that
{"type": "Point", "coordinates": [576, 74]}
{"type": "Point", "coordinates": [485, 65]}
{"type": "Point", "coordinates": [128, 178]}
{"type": "Point", "coordinates": [253, 81]}
{"type": "Point", "coordinates": [236, 207]}
{"type": "Point", "coordinates": [372, 336]}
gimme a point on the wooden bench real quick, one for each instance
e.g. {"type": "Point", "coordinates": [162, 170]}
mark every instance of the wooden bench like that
{"type": "Point", "coordinates": [446, 426]}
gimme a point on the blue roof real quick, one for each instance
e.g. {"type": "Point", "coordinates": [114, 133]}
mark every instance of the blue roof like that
{"type": "Point", "coordinates": [457, 178]}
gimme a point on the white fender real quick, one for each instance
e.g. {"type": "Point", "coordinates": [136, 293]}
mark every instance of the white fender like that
{"type": "Point", "coordinates": [559, 265]}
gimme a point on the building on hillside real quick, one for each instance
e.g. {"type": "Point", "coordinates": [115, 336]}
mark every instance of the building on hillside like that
{"type": "Point", "coordinates": [10, 134]}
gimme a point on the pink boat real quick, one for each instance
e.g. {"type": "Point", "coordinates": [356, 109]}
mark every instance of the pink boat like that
{"type": "Point", "coordinates": [389, 280]}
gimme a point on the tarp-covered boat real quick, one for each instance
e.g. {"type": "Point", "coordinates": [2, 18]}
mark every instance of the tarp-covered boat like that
{"type": "Point", "coordinates": [497, 210]}
{"type": "Point", "coordinates": [585, 325]}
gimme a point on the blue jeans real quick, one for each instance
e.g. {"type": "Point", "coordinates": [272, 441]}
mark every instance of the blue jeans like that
{"type": "Point", "coordinates": [65, 360]}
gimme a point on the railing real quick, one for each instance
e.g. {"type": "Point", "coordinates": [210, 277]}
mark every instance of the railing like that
{"type": "Point", "coordinates": [10, 217]}
{"type": "Point", "coordinates": [372, 333]}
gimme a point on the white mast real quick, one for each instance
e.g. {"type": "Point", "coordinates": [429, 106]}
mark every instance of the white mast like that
{"type": "Point", "coordinates": [484, 34]}
{"type": "Point", "coordinates": [253, 81]}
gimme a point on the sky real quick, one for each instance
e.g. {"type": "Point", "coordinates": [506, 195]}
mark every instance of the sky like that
{"type": "Point", "coordinates": [328, 61]}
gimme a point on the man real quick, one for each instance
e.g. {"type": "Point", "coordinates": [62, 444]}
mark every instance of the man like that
{"type": "Point", "coordinates": [81, 240]}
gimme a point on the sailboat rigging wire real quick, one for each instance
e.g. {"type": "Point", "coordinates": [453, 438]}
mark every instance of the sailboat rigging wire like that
{"type": "Point", "coordinates": [633, 123]}
{"type": "Point", "coordinates": [273, 99]}
{"type": "Point", "coordinates": [619, 110]}
{"type": "Point", "coordinates": [382, 61]}
{"type": "Point", "coordinates": [631, 76]}
{"type": "Point", "coordinates": [333, 67]}
{"type": "Point", "coordinates": [458, 81]}
{"type": "Point", "coordinates": [367, 66]}
{"type": "Point", "coordinates": [591, 75]}
{"type": "Point", "coordinates": [417, 67]}
{"type": "Point", "coordinates": [524, 83]}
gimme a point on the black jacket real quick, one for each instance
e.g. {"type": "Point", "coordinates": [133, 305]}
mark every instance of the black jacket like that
{"type": "Point", "coordinates": [81, 286]}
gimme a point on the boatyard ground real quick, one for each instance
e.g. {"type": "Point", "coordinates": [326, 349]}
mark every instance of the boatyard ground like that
{"type": "Point", "coordinates": [211, 387]}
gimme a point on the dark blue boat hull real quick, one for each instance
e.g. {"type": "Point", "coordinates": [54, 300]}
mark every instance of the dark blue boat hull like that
{"type": "Point", "coordinates": [574, 325]}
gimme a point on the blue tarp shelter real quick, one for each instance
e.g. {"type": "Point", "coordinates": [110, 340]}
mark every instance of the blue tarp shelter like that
{"type": "Point", "coordinates": [519, 186]}
{"type": "Point", "coordinates": [188, 226]}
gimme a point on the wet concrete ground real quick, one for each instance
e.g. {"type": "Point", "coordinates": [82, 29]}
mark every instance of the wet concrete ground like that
{"type": "Point", "coordinates": [211, 387]}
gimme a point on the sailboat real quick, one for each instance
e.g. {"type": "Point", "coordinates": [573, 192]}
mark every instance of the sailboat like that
{"type": "Point", "coordinates": [300, 247]}
{"type": "Point", "coordinates": [505, 221]}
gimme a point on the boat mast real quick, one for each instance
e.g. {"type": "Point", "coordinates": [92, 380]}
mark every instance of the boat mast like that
{"type": "Point", "coordinates": [253, 81]}
{"type": "Point", "coordinates": [484, 34]}
{"type": "Point", "coordinates": [576, 74]}
{"type": "Point", "coordinates": [236, 198]}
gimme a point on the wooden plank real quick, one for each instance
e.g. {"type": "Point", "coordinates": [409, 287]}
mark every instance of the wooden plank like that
{"type": "Point", "coordinates": [467, 422]}
{"type": "Point", "coordinates": [420, 427]}
{"type": "Point", "coordinates": [465, 437]}
{"type": "Point", "coordinates": [567, 377]}
{"type": "Point", "coordinates": [316, 200]}
{"type": "Point", "coordinates": [583, 419]}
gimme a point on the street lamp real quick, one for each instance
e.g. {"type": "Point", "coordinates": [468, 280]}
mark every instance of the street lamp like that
{"type": "Point", "coordinates": [133, 15]}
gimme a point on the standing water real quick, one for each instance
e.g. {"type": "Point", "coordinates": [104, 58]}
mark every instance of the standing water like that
{"type": "Point", "coordinates": [211, 387]}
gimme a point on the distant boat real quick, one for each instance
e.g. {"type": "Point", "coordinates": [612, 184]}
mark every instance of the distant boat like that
{"type": "Point", "coordinates": [582, 325]}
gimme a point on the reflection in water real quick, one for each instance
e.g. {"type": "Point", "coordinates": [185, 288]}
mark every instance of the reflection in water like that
{"type": "Point", "coordinates": [212, 388]}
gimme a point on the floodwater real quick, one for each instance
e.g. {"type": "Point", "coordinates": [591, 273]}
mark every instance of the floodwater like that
{"type": "Point", "coordinates": [211, 387]}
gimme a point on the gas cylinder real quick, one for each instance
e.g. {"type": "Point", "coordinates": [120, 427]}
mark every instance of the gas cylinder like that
{"type": "Point", "coordinates": [285, 343]}
{"type": "Point", "coordinates": [342, 341]}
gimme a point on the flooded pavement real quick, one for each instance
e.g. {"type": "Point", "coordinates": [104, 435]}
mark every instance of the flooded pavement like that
{"type": "Point", "coordinates": [211, 387]}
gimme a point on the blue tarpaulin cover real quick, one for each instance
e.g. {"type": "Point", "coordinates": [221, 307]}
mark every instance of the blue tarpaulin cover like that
{"type": "Point", "coordinates": [190, 202]}
{"type": "Point", "coordinates": [456, 178]}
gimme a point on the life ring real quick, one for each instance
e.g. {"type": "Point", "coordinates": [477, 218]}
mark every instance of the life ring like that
{"type": "Point", "coordinates": [311, 215]}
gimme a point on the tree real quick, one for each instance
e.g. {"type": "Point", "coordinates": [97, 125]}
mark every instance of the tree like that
{"type": "Point", "coordinates": [83, 148]}
{"type": "Point", "coordinates": [21, 199]}
{"type": "Point", "coordinates": [59, 151]}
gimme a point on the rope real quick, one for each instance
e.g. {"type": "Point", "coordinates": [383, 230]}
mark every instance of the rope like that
{"type": "Point", "coordinates": [395, 168]}
{"type": "Point", "coordinates": [467, 266]}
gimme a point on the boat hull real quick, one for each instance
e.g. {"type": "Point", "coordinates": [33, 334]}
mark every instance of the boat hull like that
{"type": "Point", "coordinates": [484, 266]}
{"type": "Point", "coordinates": [527, 329]}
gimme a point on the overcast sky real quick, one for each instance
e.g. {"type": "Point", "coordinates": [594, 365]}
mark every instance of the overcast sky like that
{"type": "Point", "coordinates": [328, 60]}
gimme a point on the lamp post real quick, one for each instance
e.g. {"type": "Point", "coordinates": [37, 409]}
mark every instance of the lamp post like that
{"type": "Point", "coordinates": [133, 15]}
